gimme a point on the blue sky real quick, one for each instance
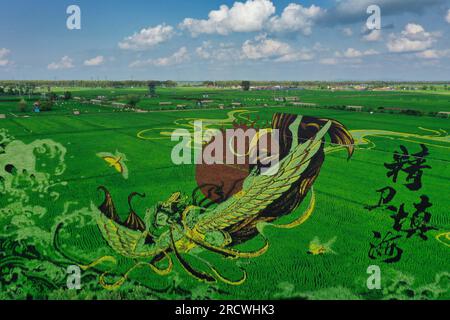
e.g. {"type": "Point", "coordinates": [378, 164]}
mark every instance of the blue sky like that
{"type": "Point", "coordinates": [222, 40]}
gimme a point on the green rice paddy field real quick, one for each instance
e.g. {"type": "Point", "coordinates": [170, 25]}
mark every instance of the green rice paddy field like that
{"type": "Point", "coordinates": [32, 264]}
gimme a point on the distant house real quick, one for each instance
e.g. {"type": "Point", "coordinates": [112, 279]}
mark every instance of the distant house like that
{"type": "Point", "coordinates": [181, 106]}
{"type": "Point", "coordinates": [236, 104]}
{"type": "Point", "coordinates": [290, 99]}
{"type": "Point", "coordinates": [304, 104]}
{"type": "Point", "coordinates": [2, 116]}
{"type": "Point", "coordinates": [355, 108]}
{"type": "Point", "coordinates": [279, 99]}
{"type": "Point", "coordinates": [77, 98]}
{"type": "Point", "coordinates": [444, 114]}
{"type": "Point", "coordinates": [119, 105]}
{"type": "Point", "coordinates": [95, 101]}
{"type": "Point", "coordinates": [76, 112]}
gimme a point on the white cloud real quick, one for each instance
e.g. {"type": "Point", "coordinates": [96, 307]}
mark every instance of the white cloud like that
{"type": "Point", "coordinates": [347, 31]}
{"type": "Point", "coordinates": [413, 38]}
{"type": "Point", "coordinates": [352, 53]}
{"type": "Point", "coordinates": [64, 63]}
{"type": "Point", "coordinates": [96, 61]}
{"type": "Point", "coordinates": [4, 57]}
{"type": "Point", "coordinates": [302, 55]}
{"type": "Point", "coordinates": [374, 35]}
{"type": "Point", "coordinates": [205, 50]}
{"type": "Point", "coordinates": [224, 52]}
{"type": "Point", "coordinates": [148, 38]}
{"type": "Point", "coordinates": [328, 61]}
{"type": "Point", "coordinates": [433, 54]}
{"type": "Point", "coordinates": [250, 16]}
{"type": "Point", "coordinates": [296, 18]}
{"type": "Point", "coordinates": [447, 18]}
{"type": "Point", "coordinates": [262, 47]}
{"type": "Point", "coordinates": [178, 57]}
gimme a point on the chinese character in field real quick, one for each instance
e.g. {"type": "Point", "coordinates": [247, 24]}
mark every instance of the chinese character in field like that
{"type": "Point", "coordinates": [387, 194]}
{"type": "Point", "coordinates": [385, 248]}
{"type": "Point", "coordinates": [411, 164]}
{"type": "Point", "coordinates": [419, 223]}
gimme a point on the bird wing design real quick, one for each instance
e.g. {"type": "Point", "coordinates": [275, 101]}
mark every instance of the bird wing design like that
{"type": "Point", "coordinates": [259, 192]}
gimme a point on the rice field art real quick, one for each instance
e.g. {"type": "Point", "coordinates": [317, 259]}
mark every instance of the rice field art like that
{"type": "Point", "coordinates": [101, 211]}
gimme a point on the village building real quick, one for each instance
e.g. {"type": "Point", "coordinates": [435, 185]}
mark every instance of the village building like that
{"type": "Point", "coordinates": [95, 101]}
{"type": "Point", "coordinates": [444, 114]}
{"type": "Point", "coordinates": [355, 108]}
{"type": "Point", "coordinates": [119, 105]}
{"type": "Point", "coordinates": [304, 104]}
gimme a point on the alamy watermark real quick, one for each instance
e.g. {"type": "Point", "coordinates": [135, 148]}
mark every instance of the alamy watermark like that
{"type": "Point", "coordinates": [73, 277]}
{"type": "Point", "coordinates": [374, 20]}
{"type": "Point", "coordinates": [374, 279]}
{"type": "Point", "coordinates": [73, 21]}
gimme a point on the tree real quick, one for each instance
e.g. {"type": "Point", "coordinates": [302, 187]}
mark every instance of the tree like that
{"type": "Point", "coordinates": [170, 84]}
{"type": "Point", "coordinates": [52, 96]}
{"type": "Point", "coordinates": [133, 100]}
{"type": "Point", "coordinates": [47, 105]}
{"type": "Point", "coordinates": [245, 85]}
{"type": "Point", "coordinates": [152, 88]}
{"type": "Point", "coordinates": [67, 95]}
{"type": "Point", "coordinates": [22, 106]}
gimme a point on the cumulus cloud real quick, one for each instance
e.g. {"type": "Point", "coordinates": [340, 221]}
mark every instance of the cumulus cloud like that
{"type": "Point", "coordinates": [224, 52]}
{"type": "Point", "coordinates": [241, 17]}
{"type": "Point", "coordinates": [96, 61]}
{"type": "Point", "coordinates": [263, 47]}
{"type": "Point", "coordinates": [433, 54]}
{"type": "Point", "coordinates": [447, 18]}
{"type": "Point", "coordinates": [296, 18]}
{"type": "Point", "coordinates": [329, 61]}
{"type": "Point", "coordinates": [374, 35]}
{"type": "Point", "coordinates": [351, 53]}
{"type": "Point", "coordinates": [178, 57]}
{"type": "Point", "coordinates": [347, 31]}
{"type": "Point", "coordinates": [148, 38]}
{"type": "Point", "coordinates": [302, 55]}
{"type": "Point", "coordinates": [4, 53]}
{"type": "Point", "coordinates": [412, 39]}
{"type": "Point", "coordinates": [64, 63]}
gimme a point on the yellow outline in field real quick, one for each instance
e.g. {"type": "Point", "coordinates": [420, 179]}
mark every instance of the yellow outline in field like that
{"type": "Point", "coordinates": [445, 235]}
{"type": "Point", "coordinates": [188, 123]}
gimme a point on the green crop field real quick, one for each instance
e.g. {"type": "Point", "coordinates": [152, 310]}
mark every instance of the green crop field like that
{"type": "Point", "coordinates": [47, 218]}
